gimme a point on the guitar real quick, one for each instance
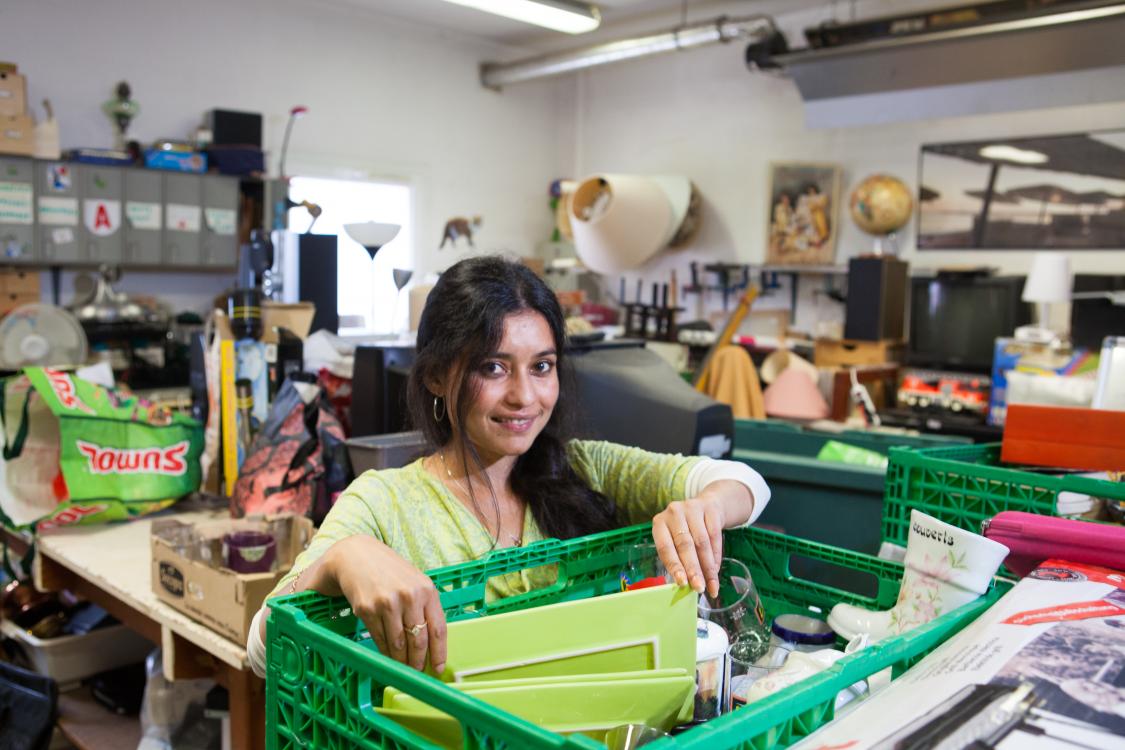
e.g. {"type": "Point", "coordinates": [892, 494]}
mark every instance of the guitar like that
{"type": "Point", "coordinates": [724, 338]}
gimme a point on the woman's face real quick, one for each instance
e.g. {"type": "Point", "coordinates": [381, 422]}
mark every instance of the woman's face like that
{"type": "Point", "coordinates": [518, 386]}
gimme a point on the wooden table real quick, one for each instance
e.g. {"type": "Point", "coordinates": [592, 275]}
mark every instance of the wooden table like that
{"type": "Point", "coordinates": [109, 565]}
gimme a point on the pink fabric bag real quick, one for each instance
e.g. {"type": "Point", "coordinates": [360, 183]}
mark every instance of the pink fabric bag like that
{"type": "Point", "coordinates": [1034, 538]}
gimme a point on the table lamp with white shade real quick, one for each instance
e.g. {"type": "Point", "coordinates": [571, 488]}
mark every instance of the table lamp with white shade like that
{"type": "Point", "coordinates": [373, 235]}
{"type": "Point", "coordinates": [1049, 282]}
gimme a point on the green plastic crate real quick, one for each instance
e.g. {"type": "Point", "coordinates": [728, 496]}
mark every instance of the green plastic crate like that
{"type": "Point", "coordinates": [964, 485]}
{"type": "Point", "coordinates": [322, 685]}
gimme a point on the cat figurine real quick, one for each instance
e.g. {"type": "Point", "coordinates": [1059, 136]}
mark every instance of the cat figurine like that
{"type": "Point", "coordinates": [458, 227]}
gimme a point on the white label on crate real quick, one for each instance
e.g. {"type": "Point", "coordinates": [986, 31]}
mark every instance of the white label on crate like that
{"type": "Point", "coordinates": [60, 211]}
{"type": "Point", "coordinates": [101, 217]}
{"type": "Point", "coordinates": [62, 236]}
{"type": "Point", "coordinates": [141, 215]}
{"type": "Point", "coordinates": [15, 202]}
{"type": "Point", "coordinates": [183, 218]}
{"type": "Point", "coordinates": [221, 220]}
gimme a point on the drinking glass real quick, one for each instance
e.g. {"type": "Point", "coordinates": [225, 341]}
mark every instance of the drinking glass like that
{"type": "Point", "coordinates": [738, 610]}
{"type": "Point", "coordinates": [644, 568]}
{"type": "Point", "coordinates": [743, 674]}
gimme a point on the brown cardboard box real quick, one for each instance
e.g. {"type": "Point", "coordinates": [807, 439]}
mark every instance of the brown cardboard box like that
{"type": "Point", "coordinates": [17, 135]}
{"type": "Point", "coordinates": [845, 353]}
{"type": "Point", "coordinates": [296, 316]}
{"type": "Point", "coordinates": [223, 600]}
{"type": "Point", "coordinates": [13, 94]}
{"type": "Point", "coordinates": [17, 288]}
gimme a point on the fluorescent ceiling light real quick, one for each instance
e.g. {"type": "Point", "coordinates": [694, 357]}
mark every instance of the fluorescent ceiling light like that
{"type": "Point", "coordinates": [560, 15]}
{"type": "Point", "coordinates": [1001, 152]}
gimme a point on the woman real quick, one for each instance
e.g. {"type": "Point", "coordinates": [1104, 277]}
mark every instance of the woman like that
{"type": "Point", "coordinates": [490, 389]}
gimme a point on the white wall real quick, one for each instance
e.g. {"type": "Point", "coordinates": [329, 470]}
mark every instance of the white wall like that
{"type": "Point", "coordinates": [386, 98]}
{"type": "Point", "coordinates": [703, 114]}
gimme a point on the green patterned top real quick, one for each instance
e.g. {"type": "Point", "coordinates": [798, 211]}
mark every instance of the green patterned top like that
{"type": "Point", "coordinates": [415, 514]}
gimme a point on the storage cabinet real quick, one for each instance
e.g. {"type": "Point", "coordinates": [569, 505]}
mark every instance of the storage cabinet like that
{"type": "Point", "coordinates": [17, 211]}
{"type": "Point", "coordinates": [102, 191]}
{"type": "Point", "coordinates": [144, 217]}
{"type": "Point", "coordinates": [183, 218]}
{"type": "Point", "coordinates": [220, 221]}
{"type": "Point", "coordinates": [62, 213]}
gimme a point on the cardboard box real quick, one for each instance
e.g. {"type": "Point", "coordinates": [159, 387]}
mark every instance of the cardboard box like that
{"type": "Point", "coordinates": [219, 598]}
{"type": "Point", "coordinates": [17, 135]}
{"type": "Point", "coordinates": [296, 316]}
{"type": "Point", "coordinates": [13, 94]}
{"type": "Point", "coordinates": [846, 353]}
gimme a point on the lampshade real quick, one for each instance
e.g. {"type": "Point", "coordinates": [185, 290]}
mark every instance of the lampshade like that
{"type": "Point", "coordinates": [1049, 280]}
{"type": "Point", "coordinates": [794, 395]}
{"type": "Point", "coordinates": [620, 221]}
{"type": "Point", "coordinates": [372, 234]}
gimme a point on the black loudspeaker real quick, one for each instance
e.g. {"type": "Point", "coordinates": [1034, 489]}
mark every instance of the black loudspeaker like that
{"type": "Point", "coordinates": [876, 299]}
{"type": "Point", "coordinates": [317, 282]}
{"type": "Point", "coordinates": [230, 128]}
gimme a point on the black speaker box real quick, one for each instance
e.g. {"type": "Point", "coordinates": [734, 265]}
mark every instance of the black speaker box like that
{"type": "Point", "coordinates": [230, 128]}
{"type": "Point", "coordinates": [876, 308]}
{"type": "Point", "coordinates": [317, 282]}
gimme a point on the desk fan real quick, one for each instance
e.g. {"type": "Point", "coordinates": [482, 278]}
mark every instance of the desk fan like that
{"type": "Point", "coordinates": [41, 334]}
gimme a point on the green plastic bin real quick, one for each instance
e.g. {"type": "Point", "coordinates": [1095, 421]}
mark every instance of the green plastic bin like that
{"type": "Point", "coordinates": [322, 685]}
{"type": "Point", "coordinates": [964, 485]}
{"type": "Point", "coordinates": [824, 501]}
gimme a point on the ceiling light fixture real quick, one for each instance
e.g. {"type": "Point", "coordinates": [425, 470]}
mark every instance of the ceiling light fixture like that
{"type": "Point", "coordinates": [560, 15]}
{"type": "Point", "coordinates": [1004, 152]}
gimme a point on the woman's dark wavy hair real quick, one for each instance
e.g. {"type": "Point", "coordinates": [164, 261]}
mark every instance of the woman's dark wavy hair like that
{"type": "Point", "coordinates": [460, 328]}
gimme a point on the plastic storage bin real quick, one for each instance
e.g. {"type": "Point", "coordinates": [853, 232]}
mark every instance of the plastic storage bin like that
{"type": "Point", "coordinates": [390, 451]}
{"type": "Point", "coordinates": [70, 658]}
{"type": "Point", "coordinates": [828, 502]}
{"type": "Point", "coordinates": [964, 485]}
{"type": "Point", "coordinates": [322, 686]}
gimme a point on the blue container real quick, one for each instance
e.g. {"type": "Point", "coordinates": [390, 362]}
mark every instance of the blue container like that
{"type": "Point", "coordinates": [176, 161]}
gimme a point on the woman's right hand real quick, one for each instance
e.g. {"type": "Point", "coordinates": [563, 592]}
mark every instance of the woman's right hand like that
{"type": "Point", "coordinates": [391, 597]}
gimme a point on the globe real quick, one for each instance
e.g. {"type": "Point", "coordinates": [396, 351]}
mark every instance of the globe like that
{"type": "Point", "coordinates": [881, 204]}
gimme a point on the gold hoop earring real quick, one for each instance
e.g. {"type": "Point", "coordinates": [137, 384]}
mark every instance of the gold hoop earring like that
{"type": "Point", "coordinates": [439, 401]}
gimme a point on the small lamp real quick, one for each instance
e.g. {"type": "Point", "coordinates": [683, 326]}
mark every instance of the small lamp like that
{"type": "Point", "coordinates": [1048, 282]}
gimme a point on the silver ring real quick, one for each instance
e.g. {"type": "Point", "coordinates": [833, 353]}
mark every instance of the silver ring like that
{"type": "Point", "coordinates": [414, 630]}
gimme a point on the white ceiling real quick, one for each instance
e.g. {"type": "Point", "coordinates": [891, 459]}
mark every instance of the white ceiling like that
{"type": "Point", "coordinates": [441, 14]}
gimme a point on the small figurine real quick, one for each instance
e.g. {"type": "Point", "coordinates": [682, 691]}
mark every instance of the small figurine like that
{"type": "Point", "coordinates": [122, 110]}
{"type": "Point", "coordinates": [458, 227]}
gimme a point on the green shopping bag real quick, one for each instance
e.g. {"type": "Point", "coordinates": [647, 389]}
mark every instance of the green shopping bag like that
{"type": "Point", "coordinates": [77, 453]}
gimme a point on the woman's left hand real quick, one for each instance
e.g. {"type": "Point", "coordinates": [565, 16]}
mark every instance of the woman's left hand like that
{"type": "Point", "coordinates": [689, 533]}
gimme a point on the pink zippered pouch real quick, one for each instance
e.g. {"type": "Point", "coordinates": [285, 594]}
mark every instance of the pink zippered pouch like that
{"type": "Point", "coordinates": [1033, 538]}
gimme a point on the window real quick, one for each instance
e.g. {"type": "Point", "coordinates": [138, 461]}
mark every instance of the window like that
{"type": "Point", "coordinates": [367, 298]}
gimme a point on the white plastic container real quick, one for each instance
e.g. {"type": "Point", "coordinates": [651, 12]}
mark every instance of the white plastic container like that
{"type": "Point", "coordinates": [71, 658]}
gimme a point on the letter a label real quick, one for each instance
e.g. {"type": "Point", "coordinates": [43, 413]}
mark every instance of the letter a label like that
{"type": "Point", "coordinates": [102, 218]}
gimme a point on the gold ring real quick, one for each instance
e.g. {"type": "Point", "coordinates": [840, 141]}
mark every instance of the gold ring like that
{"type": "Point", "coordinates": [416, 629]}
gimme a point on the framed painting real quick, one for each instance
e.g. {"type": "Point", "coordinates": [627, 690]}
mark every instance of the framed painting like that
{"type": "Point", "coordinates": [802, 215]}
{"type": "Point", "coordinates": [1063, 192]}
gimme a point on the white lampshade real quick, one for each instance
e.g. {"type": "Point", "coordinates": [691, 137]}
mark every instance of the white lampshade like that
{"type": "Point", "coordinates": [621, 221]}
{"type": "Point", "coordinates": [1049, 280]}
{"type": "Point", "coordinates": [372, 234]}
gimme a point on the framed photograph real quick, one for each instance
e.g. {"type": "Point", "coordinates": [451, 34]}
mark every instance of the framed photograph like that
{"type": "Point", "coordinates": [802, 217]}
{"type": "Point", "coordinates": [1064, 192]}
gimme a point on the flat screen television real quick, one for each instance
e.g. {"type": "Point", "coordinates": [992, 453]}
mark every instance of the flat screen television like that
{"type": "Point", "coordinates": [955, 319]}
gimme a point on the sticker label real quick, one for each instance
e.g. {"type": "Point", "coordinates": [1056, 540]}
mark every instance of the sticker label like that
{"type": "Point", "coordinates": [62, 236]}
{"type": "Point", "coordinates": [141, 215]}
{"type": "Point", "coordinates": [102, 217]}
{"type": "Point", "coordinates": [58, 177]}
{"type": "Point", "coordinates": [58, 211]}
{"type": "Point", "coordinates": [15, 202]}
{"type": "Point", "coordinates": [183, 218]}
{"type": "Point", "coordinates": [221, 220]}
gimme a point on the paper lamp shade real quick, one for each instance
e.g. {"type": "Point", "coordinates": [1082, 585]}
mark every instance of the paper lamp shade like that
{"type": "Point", "coordinates": [1049, 279]}
{"type": "Point", "coordinates": [794, 395]}
{"type": "Point", "coordinates": [783, 359]}
{"type": "Point", "coordinates": [621, 221]}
